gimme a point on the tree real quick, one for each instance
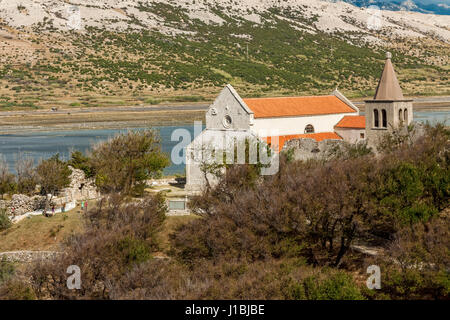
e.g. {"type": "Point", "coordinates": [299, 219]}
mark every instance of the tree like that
{"type": "Point", "coordinates": [26, 175]}
{"type": "Point", "coordinates": [79, 161]}
{"type": "Point", "coordinates": [54, 175]}
{"type": "Point", "coordinates": [7, 183]}
{"type": "Point", "coordinates": [124, 163]}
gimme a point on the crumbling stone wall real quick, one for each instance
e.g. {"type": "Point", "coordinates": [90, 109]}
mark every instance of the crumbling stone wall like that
{"type": "Point", "coordinates": [80, 188]}
{"type": "Point", "coordinates": [305, 149]}
{"type": "Point", "coordinates": [21, 204]}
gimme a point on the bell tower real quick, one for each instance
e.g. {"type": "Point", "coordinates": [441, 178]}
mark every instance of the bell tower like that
{"type": "Point", "coordinates": [388, 110]}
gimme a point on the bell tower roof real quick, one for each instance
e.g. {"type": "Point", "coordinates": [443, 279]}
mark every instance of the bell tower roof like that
{"type": "Point", "coordinates": [388, 87]}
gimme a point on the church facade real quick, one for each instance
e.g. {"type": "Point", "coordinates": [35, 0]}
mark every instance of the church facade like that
{"type": "Point", "coordinates": [281, 119]}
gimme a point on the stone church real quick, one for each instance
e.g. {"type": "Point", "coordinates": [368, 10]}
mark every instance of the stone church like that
{"type": "Point", "coordinates": [280, 121]}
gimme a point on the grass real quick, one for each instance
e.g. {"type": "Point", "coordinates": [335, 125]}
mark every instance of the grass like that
{"type": "Point", "coordinates": [170, 225]}
{"type": "Point", "coordinates": [41, 233]}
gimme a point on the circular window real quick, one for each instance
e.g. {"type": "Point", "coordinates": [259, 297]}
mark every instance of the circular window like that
{"type": "Point", "coordinates": [227, 121]}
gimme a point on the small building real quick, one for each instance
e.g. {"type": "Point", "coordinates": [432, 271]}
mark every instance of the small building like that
{"type": "Point", "coordinates": [352, 128]}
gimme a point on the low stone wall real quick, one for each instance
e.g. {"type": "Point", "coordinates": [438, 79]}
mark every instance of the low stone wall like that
{"type": "Point", "coordinates": [28, 256]}
{"type": "Point", "coordinates": [21, 204]}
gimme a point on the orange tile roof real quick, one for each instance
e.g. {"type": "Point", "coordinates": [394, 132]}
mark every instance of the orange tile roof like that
{"type": "Point", "coordinates": [316, 136]}
{"type": "Point", "coordinates": [358, 122]}
{"type": "Point", "coordinates": [296, 106]}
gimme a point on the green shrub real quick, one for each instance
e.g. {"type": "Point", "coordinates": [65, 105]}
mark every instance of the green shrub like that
{"type": "Point", "coordinates": [339, 286]}
{"type": "Point", "coordinates": [79, 161]}
{"type": "Point", "coordinates": [417, 284]}
{"type": "Point", "coordinates": [133, 251]}
{"type": "Point", "coordinates": [5, 222]}
{"type": "Point", "coordinates": [16, 290]}
{"type": "Point", "coordinates": [6, 270]}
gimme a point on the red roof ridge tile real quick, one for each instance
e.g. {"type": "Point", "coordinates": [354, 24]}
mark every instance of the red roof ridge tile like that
{"type": "Point", "coordinates": [287, 97]}
{"type": "Point", "coordinates": [356, 121]}
{"type": "Point", "coordinates": [297, 106]}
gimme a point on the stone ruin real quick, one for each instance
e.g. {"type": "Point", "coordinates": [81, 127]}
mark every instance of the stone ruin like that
{"type": "Point", "coordinates": [21, 204]}
{"type": "Point", "coordinates": [80, 188]}
{"type": "Point", "coordinates": [305, 149]}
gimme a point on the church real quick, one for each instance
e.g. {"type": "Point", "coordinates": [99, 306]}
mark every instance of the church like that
{"type": "Point", "coordinates": [280, 120]}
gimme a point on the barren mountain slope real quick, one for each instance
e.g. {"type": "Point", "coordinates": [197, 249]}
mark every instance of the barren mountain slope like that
{"type": "Point", "coordinates": [150, 49]}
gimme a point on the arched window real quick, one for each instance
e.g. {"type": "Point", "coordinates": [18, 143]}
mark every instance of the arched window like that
{"type": "Point", "coordinates": [400, 115]}
{"type": "Point", "coordinates": [384, 118]}
{"type": "Point", "coordinates": [405, 115]}
{"type": "Point", "coordinates": [309, 128]}
{"type": "Point", "coordinates": [376, 120]}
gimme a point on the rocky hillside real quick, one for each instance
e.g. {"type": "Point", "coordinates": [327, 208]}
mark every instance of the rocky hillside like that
{"type": "Point", "coordinates": [155, 49]}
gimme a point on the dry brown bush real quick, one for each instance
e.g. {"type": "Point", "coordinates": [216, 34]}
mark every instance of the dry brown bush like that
{"type": "Point", "coordinates": [118, 236]}
{"type": "Point", "coordinates": [319, 209]}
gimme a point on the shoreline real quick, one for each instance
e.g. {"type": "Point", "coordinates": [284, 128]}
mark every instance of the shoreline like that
{"type": "Point", "coordinates": [113, 117]}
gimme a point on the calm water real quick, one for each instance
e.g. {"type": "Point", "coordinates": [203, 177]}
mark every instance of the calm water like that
{"type": "Point", "coordinates": [42, 145]}
{"type": "Point", "coordinates": [45, 144]}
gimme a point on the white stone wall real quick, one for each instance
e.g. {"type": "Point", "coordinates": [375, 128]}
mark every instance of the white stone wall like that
{"type": "Point", "coordinates": [228, 104]}
{"type": "Point", "coordinates": [28, 256]}
{"type": "Point", "coordinates": [352, 135]}
{"type": "Point", "coordinates": [199, 151]}
{"type": "Point", "coordinates": [296, 125]}
{"type": "Point", "coordinates": [20, 204]}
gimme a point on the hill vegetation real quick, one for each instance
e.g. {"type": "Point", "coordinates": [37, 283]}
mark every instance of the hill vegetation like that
{"type": "Point", "coordinates": [286, 53]}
